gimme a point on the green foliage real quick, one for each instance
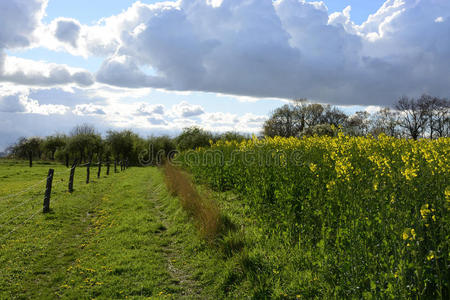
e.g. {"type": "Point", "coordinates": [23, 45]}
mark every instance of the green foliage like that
{"type": "Point", "coordinates": [192, 138]}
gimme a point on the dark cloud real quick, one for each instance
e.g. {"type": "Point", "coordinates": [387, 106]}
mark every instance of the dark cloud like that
{"type": "Point", "coordinates": [68, 31]}
{"type": "Point", "coordinates": [18, 20]}
{"type": "Point", "coordinates": [11, 103]}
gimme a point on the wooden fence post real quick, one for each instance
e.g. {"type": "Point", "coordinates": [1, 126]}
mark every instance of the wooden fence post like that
{"type": "Point", "coordinates": [88, 172]}
{"type": "Point", "coordinates": [107, 168]}
{"type": "Point", "coordinates": [115, 166]}
{"type": "Point", "coordinates": [72, 173]}
{"type": "Point", "coordinates": [67, 160]}
{"type": "Point", "coordinates": [30, 157]}
{"type": "Point", "coordinates": [48, 191]}
{"type": "Point", "coordinates": [99, 169]}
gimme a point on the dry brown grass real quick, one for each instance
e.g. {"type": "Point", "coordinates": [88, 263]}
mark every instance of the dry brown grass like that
{"type": "Point", "coordinates": [204, 210]}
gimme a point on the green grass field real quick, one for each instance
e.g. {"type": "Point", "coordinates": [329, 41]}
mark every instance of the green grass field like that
{"type": "Point", "coordinates": [122, 236]}
{"type": "Point", "coordinates": [116, 237]}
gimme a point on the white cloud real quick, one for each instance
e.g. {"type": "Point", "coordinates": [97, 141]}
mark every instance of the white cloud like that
{"type": "Point", "coordinates": [150, 110]}
{"type": "Point", "coordinates": [439, 20]}
{"type": "Point", "coordinates": [21, 103]}
{"type": "Point", "coordinates": [88, 110]}
{"type": "Point", "coordinates": [157, 120]}
{"type": "Point", "coordinates": [187, 110]}
{"type": "Point", "coordinates": [38, 73]}
{"type": "Point", "coordinates": [277, 49]}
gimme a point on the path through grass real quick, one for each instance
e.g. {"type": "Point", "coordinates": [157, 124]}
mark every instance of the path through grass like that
{"type": "Point", "coordinates": [114, 238]}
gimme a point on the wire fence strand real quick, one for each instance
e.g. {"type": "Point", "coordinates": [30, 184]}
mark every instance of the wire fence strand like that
{"type": "Point", "coordinates": [20, 225]}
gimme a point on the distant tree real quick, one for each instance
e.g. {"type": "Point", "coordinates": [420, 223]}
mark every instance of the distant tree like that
{"type": "Point", "coordinates": [85, 142]}
{"type": "Point", "coordinates": [193, 137]}
{"type": "Point", "coordinates": [122, 143]}
{"type": "Point", "coordinates": [320, 130]}
{"type": "Point", "coordinates": [53, 143]}
{"type": "Point", "coordinates": [28, 148]}
{"type": "Point", "coordinates": [333, 116]}
{"type": "Point", "coordinates": [436, 111]}
{"type": "Point", "coordinates": [160, 148]}
{"type": "Point", "coordinates": [232, 136]}
{"type": "Point", "coordinates": [413, 115]}
{"type": "Point", "coordinates": [285, 121]}
{"type": "Point", "coordinates": [358, 124]}
{"type": "Point", "coordinates": [313, 114]}
{"type": "Point", "coordinates": [442, 118]}
{"type": "Point", "coordinates": [385, 121]}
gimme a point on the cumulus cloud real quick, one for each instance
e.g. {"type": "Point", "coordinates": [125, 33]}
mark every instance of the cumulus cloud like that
{"type": "Point", "coordinates": [11, 103]}
{"type": "Point", "coordinates": [282, 49]}
{"type": "Point", "coordinates": [37, 73]}
{"type": "Point", "coordinates": [187, 110]}
{"type": "Point", "coordinates": [150, 110]}
{"type": "Point", "coordinates": [21, 103]}
{"type": "Point", "coordinates": [68, 31]}
{"type": "Point", "coordinates": [157, 120]}
{"type": "Point", "coordinates": [18, 21]}
{"type": "Point", "coordinates": [124, 72]}
{"type": "Point", "coordinates": [88, 110]}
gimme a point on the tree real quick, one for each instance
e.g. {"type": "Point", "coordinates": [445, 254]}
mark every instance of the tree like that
{"type": "Point", "coordinates": [122, 143]}
{"type": "Point", "coordinates": [193, 137]}
{"type": "Point", "coordinates": [320, 130]}
{"type": "Point", "coordinates": [232, 136]}
{"type": "Point", "coordinates": [442, 118]}
{"type": "Point", "coordinates": [285, 121]}
{"type": "Point", "coordinates": [53, 143]}
{"type": "Point", "coordinates": [385, 121]}
{"type": "Point", "coordinates": [85, 141]}
{"type": "Point", "coordinates": [333, 116]}
{"type": "Point", "coordinates": [413, 115]}
{"type": "Point", "coordinates": [358, 124]}
{"type": "Point", "coordinates": [28, 148]}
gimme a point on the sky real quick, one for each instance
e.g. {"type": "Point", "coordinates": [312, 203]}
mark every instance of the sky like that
{"type": "Point", "coordinates": [157, 67]}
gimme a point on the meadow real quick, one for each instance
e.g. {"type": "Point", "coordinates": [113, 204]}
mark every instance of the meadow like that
{"type": "Point", "coordinates": [345, 216]}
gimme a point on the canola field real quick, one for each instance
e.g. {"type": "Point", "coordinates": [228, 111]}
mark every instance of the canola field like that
{"type": "Point", "coordinates": [368, 217]}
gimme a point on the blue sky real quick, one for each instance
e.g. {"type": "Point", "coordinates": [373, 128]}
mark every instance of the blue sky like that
{"type": "Point", "coordinates": [219, 65]}
{"type": "Point", "coordinates": [102, 8]}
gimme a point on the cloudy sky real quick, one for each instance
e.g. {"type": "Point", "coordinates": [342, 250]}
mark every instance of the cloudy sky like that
{"type": "Point", "coordinates": [156, 67]}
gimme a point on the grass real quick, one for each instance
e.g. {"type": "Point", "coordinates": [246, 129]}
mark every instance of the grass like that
{"type": "Point", "coordinates": [109, 239]}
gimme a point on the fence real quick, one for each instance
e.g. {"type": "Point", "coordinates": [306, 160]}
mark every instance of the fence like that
{"type": "Point", "coordinates": [47, 192]}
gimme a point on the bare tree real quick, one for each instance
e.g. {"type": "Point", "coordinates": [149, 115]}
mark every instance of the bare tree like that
{"type": "Point", "coordinates": [358, 124]}
{"type": "Point", "coordinates": [413, 115]}
{"type": "Point", "coordinates": [385, 121]}
{"type": "Point", "coordinates": [442, 118]}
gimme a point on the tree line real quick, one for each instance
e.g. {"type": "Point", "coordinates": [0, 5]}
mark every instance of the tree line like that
{"type": "Point", "coordinates": [84, 143]}
{"type": "Point", "coordinates": [423, 117]}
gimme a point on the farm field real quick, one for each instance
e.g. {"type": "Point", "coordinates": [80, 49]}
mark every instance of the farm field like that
{"type": "Point", "coordinates": [354, 216]}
